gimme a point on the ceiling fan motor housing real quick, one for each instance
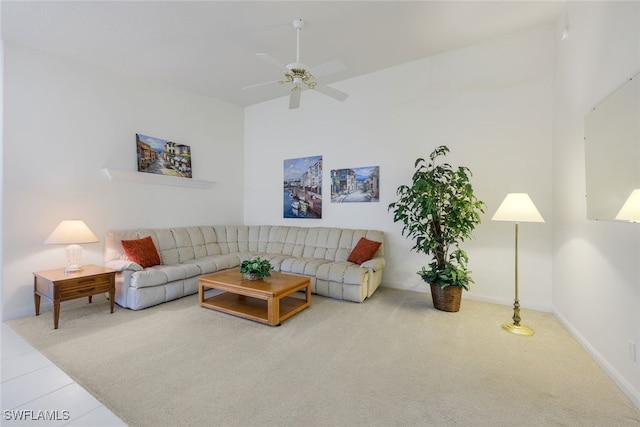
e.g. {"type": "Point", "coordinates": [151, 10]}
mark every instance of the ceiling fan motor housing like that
{"type": "Point", "coordinates": [297, 67]}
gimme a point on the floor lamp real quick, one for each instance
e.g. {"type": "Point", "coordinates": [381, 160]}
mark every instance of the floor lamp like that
{"type": "Point", "coordinates": [517, 207]}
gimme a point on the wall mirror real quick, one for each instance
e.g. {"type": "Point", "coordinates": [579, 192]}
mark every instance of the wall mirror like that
{"type": "Point", "coordinates": [612, 151]}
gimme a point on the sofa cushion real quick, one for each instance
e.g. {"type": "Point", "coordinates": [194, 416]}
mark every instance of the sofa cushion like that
{"type": "Point", "coordinates": [141, 251]}
{"type": "Point", "coordinates": [211, 264]}
{"type": "Point", "coordinates": [306, 266]}
{"type": "Point", "coordinates": [363, 251]}
{"type": "Point", "coordinates": [161, 274]}
{"type": "Point", "coordinates": [148, 277]}
{"type": "Point", "coordinates": [341, 272]}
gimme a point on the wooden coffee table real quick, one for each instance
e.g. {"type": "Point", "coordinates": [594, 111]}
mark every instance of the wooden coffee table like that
{"type": "Point", "coordinates": [267, 301]}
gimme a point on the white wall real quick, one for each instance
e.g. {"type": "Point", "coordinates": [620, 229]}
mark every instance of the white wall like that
{"type": "Point", "coordinates": [489, 103]}
{"type": "Point", "coordinates": [63, 123]}
{"type": "Point", "coordinates": [596, 287]}
{"type": "Point", "coordinates": [1, 156]}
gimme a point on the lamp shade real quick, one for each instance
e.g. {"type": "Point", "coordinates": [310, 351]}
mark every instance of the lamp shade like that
{"type": "Point", "coordinates": [71, 231]}
{"type": "Point", "coordinates": [630, 211]}
{"type": "Point", "coordinates": [517, 207]}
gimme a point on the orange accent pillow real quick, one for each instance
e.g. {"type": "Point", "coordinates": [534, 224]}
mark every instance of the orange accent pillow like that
{"type": "Point", "coordinates": [141, 251]}
{"type": "Point", "coordinates": [363, 251]}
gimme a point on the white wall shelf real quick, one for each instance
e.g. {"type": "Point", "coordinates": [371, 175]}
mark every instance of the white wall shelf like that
{"type": "Point", "coordinates": [151, 178]}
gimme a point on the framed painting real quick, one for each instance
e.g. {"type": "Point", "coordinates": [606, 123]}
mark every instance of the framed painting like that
{"type": "Point", "coordinates": [302, 190]}
{"type": "Point", "coordinates": [355, 184]}
{"type": "Point", "coordinates": [156, 155]}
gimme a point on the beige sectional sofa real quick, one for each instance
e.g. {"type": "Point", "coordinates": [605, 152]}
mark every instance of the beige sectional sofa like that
{"type": "Point", "coordinates": [186, 253]}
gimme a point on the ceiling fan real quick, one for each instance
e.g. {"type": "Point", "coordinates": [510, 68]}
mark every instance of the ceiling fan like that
{"type": "Point", "coordinates": [300, 75]}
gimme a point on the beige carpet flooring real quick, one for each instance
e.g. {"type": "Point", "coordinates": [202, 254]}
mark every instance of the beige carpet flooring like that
{"type": "Point", "coordinates": [392, 361]}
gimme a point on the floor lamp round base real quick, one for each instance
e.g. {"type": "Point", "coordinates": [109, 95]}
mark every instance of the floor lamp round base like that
{"type": "Point", "coordinates": [518, 330]}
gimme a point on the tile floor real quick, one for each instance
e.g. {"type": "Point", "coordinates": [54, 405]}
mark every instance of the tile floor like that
{"type": "Point", "coordinates": [33, 388]}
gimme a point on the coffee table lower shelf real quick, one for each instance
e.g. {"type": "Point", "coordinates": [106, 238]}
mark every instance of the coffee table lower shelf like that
{"type": "Point", "coordinates": [254, 308]}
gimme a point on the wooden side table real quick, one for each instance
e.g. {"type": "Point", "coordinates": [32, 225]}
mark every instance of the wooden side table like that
{"type": "Point", "coordinates": [58, 286]}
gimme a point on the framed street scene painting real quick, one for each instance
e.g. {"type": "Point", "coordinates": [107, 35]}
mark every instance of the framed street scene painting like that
{"type": "Point", "coordinates": [163, 157]}
{"type": "Point", "coordinates": [355, 184]}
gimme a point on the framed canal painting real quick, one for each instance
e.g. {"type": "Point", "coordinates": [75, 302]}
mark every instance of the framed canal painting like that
{"type": "Point", "coordinates": [156, 155]}
{"type": "Point", "coordinates": [355, 184]}
{"type": "Point", "coordinates": [302, 192]}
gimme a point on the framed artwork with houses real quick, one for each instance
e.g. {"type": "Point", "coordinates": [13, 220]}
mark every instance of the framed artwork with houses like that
{"type": "Point", "coordinates": [360, 184]}
{"type": "Point", "coordinates": [302, 187]}
{"type": "Point", "coordinates": [159, 156]}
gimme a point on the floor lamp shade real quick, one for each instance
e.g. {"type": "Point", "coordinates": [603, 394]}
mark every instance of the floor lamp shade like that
{"type": "Point", "coordinates": [517, 207]}
{"type": "Point", "coordinates": [72, 232]}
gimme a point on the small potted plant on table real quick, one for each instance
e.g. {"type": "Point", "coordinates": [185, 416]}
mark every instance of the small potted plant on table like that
{"type": "Point", "coordinates": [255, 269]}
{"type": "Point", "coordinates": [439, 211]}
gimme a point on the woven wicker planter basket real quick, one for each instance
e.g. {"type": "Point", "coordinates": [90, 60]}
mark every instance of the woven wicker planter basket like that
{"type": "Point", "coordinates": [447, 299]}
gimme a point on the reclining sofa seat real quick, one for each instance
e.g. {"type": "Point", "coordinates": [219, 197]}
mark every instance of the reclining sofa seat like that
{"type": "Point", "coordinates": [189, 252]}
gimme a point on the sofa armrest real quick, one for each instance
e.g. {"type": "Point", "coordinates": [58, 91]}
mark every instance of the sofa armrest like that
{"type": "Point", "coordinates": [376, 264]}
{"type": "Point", "coordinates": [123, 264]}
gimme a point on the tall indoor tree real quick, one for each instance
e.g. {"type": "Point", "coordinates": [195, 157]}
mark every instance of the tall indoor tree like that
{"type": "Point", "coordinates": [439, 210]}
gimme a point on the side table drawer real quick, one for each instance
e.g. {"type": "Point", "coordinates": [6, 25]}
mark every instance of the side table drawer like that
{"type": "Point", "coordinates": [84, 287]}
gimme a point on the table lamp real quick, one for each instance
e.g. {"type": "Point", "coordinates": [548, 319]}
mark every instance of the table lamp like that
{"type": "Point", "coordinates": [517, 207]}
{"type": "Point", "coordinates": [72, 232]}
{"type": "Point", "coordinates": [630, 211]}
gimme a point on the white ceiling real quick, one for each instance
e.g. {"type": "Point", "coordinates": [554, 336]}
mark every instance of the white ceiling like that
{"type": "Point", "coordinates": [209, 47]}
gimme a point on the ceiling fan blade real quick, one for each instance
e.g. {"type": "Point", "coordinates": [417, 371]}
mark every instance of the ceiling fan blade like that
{"type": "Point", "coordinates": [260, 84]}
{"type": "Point", "coordinates": [271, 60]}
{"type": "Point", "coordinates": [294, 99]}
{"type": "Point", "coordinates": [327, 68]}
{"type": "Point", "coordinates": [333, 93]}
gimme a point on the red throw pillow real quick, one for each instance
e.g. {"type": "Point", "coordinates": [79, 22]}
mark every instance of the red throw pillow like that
{"type": "Point", "coordinates": [141, 251]}
{"type": "Point", "coordinates": [363, 251]}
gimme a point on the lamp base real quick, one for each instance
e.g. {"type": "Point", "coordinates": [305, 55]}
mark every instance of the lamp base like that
{"type": "Point", "coordinates": [72, 268]}
{"type": "Point", "coordinates": [518, 329]}
{"type": "Point", "coordinates": [74, 252]}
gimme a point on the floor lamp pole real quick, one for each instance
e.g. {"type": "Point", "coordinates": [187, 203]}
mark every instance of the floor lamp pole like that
{"type": "Point", "coordinates": [516, 327]}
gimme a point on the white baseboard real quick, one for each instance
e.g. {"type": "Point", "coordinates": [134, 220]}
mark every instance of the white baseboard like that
{"type": "Point", "coordinates": [508, 302]}
{"type": "Point", "coordinates": [470, 295]}
{"type": "Point", "coordinates": [623, 384]}
{"type": "Point", "coordinates": [27, 310]}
